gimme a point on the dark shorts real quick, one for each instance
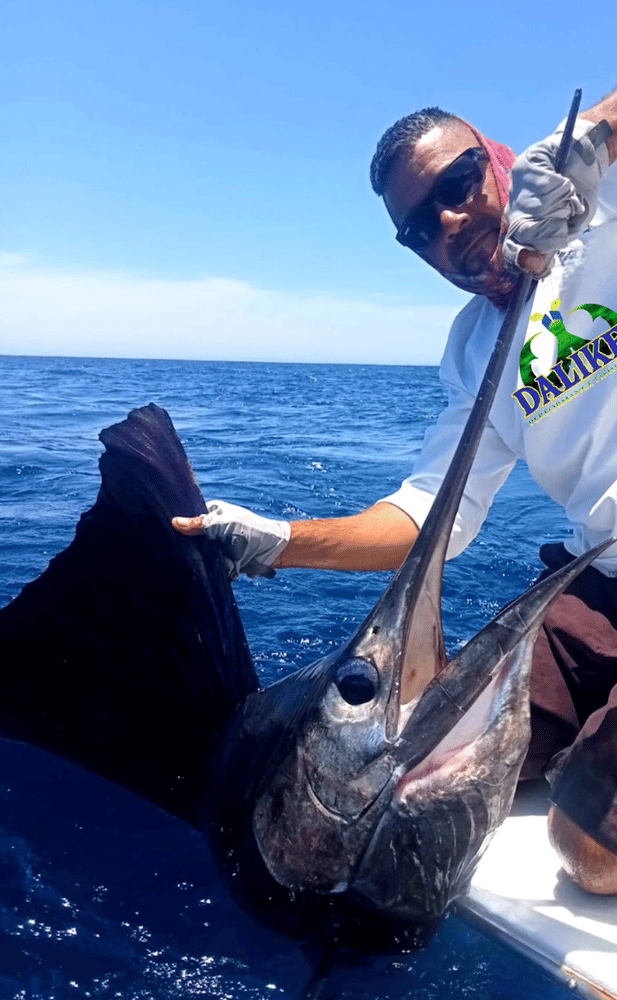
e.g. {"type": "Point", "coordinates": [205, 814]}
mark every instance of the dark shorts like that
{"type": "Point", "coordinates": [575, 661]}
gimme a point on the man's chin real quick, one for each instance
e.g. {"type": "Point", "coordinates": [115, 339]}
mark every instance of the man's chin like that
{"type": "Point", "coordinates": [495, 285]}
{"type": "Point", "coordinates": [501, 292]}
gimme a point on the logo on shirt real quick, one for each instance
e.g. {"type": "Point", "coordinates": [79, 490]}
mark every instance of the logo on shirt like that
{"type": "Point", "coordinates": [556, 365]}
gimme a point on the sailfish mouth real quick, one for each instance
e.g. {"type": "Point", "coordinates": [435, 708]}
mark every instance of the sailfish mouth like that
{"type": "Point", "coordinates": [453, 750]}
{"type": "Point", "coordinates": [469, 694]}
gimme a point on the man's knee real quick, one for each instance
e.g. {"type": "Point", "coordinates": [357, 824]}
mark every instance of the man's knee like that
{"type": "Point", "coordinates": [590, 865]}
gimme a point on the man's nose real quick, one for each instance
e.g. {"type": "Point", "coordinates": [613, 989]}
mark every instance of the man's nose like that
{"type": "Point", "coordinates": [452, 220]}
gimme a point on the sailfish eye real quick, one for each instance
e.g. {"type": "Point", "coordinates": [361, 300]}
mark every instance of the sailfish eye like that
{"type": "Point", "coordinates": [357, 681]}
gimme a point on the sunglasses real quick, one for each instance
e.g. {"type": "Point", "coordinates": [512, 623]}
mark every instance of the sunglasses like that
{"type": "Point", "coordinates": [458, 184]}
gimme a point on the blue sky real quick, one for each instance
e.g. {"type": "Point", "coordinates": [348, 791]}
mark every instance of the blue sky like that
{"type": "Point", "coordinates": [191, 179]}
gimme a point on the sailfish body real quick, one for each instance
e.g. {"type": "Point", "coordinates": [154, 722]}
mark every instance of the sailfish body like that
{"type": "Point", "coordinates": [368, 783]}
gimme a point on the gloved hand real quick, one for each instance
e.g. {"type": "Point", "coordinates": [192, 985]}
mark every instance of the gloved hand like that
{"type": "Point", "coordinates": [251, 543]}
{"type": "Point", "coordinates": [546, 208]}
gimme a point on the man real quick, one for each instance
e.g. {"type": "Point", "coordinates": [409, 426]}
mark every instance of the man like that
{"type": "Point", "coordinates": [446, 189]}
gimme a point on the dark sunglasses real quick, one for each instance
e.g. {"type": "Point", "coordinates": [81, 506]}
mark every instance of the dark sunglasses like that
{"type": "Point", "coordinates": [457, 185]}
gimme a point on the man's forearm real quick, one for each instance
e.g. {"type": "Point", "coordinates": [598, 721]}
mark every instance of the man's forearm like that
{"type": "Point", "coordinates": [377, 539]}
{"type": "Point", "coordinates": [606, 108]}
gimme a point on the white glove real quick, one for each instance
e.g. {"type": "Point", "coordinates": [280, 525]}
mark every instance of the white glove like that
{"type": "Point", "coordinates": [546, 208]}
{"type": "Point", "coordinates": [250, 543]}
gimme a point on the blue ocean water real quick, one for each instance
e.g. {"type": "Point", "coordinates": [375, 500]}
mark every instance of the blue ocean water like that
{"type": "Point", "coordinates": [103, 896]}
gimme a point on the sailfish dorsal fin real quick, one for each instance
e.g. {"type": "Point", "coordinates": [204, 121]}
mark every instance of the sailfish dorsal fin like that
{"type": "Point", "coordinates": [128, 654]}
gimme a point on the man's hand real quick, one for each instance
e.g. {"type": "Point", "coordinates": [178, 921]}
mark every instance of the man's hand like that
{"type": "Point", "coordinates": [251, 543]}
{"type": "Point", "coordinates": [546, 208]}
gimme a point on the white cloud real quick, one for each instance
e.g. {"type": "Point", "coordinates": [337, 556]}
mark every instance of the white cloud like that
{"type": "Point", "coordinates": [12, 259]}
{"type": "Point", "coordinates": [103, 314]}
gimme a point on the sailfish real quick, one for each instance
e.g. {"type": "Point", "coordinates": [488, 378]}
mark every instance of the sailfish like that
{"type": "Point", "coordinates": [357, 793]}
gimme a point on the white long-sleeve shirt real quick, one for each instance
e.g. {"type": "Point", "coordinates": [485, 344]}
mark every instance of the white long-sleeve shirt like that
{"type": "Point", "coordinates": [572, 452]}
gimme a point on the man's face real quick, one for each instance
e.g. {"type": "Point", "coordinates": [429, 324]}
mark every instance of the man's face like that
{"type": "Point", "coordinates": [469, 234]}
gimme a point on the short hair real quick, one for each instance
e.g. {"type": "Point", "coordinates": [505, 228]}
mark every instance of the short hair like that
{"type": "Point", "coordinates": [404, 134]}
